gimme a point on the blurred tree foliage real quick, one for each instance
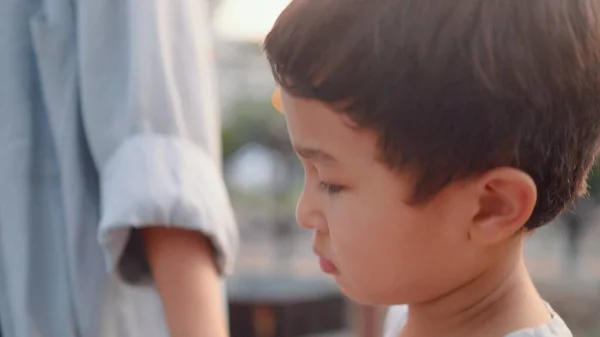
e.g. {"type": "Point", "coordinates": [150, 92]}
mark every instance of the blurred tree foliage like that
{"type": "Point", "coordinates": [594, 182]}
{"type": "Point", "coordinates": [254, 121]}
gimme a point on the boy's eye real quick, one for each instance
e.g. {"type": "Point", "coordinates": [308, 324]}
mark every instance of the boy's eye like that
{"type": "Point", "coordinates": [330, 188]}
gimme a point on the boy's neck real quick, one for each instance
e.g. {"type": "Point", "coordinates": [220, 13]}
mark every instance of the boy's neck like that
{"type": "Point", "coordinates": [500, 301]}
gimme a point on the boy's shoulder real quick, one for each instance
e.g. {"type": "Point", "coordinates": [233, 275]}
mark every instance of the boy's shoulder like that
{"type": "Point", "coordinates": [397, 315]}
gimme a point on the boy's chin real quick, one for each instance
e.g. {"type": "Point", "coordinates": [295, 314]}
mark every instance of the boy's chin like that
{"type": "Point", "coordinates": [372, 298]}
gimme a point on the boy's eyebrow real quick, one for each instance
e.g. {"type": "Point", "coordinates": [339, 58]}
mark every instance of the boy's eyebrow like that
{"type": "Point", "coordinates": [315, 154]}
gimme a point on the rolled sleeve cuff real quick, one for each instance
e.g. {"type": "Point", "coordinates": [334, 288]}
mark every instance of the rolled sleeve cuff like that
{"type": "Point", "coordinates": [160, 180]}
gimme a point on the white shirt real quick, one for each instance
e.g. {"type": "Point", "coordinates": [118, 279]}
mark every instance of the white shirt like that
{"type": "Point", "coordinates": [556, 327]}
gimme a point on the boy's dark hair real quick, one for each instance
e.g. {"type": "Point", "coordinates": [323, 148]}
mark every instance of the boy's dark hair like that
{"type": "Point", "coordinates": [455, 88]}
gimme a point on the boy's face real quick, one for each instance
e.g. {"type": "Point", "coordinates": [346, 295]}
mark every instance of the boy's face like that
{"type": "Point", "coordinates": [384, 250]}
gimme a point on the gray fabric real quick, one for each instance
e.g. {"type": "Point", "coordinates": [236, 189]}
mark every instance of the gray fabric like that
{"type": "Point", "coordinates": [108, 122]}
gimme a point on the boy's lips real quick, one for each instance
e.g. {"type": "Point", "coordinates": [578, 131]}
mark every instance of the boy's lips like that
{"type": "Point", "coordinates": [326, 265]}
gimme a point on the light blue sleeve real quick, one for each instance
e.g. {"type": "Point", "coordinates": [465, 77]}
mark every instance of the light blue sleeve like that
{"type": "Point", "coordinates": [151, 119]}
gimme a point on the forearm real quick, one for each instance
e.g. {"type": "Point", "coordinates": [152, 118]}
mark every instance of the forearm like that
{"type": "Point", "coordinates": [188, 282]}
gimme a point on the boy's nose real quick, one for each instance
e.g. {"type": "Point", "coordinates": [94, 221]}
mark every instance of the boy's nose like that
{"type": "Point", "coordinates": [308, 215]}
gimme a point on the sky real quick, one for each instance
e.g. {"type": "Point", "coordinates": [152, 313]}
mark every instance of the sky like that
{"type": "Point", "coordinates": [246, 20]}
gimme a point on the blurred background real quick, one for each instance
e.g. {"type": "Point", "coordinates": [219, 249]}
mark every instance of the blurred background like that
{"type": "Point", "coordinates": [278, 289]}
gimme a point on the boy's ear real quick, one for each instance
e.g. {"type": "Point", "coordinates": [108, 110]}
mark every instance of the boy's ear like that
{"type": "Point", "coordinates": [506, 198]}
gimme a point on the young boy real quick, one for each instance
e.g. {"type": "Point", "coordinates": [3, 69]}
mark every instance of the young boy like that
{"type": "Point", "coordinates": [435, 136]}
